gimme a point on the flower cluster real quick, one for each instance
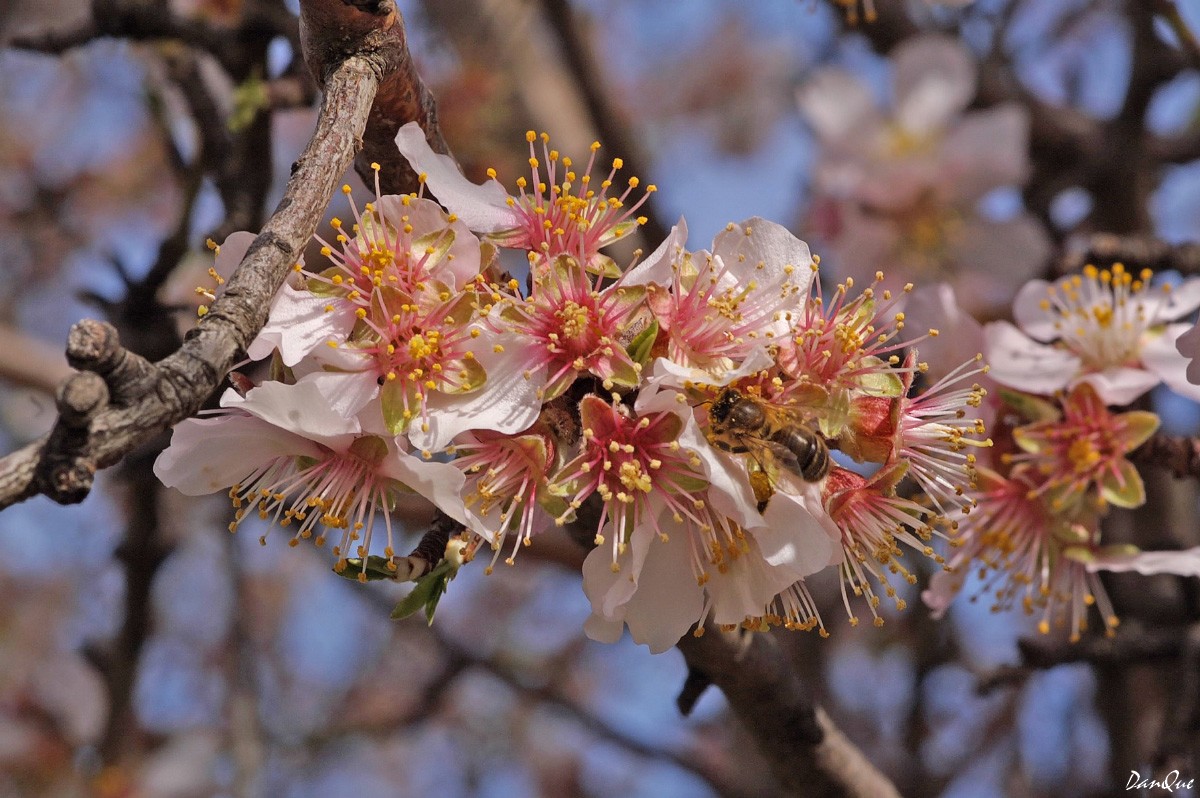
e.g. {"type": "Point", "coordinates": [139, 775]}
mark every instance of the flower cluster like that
{"type": "Point", "coordinates": [1082, 345]}
{"type": "Point", "coordinates": [718, 423]}
{"type": "Point", "coordinates": [901, 187]}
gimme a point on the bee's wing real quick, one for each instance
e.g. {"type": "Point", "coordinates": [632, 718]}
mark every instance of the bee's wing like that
{"type": "Point", "coordinates": [777, 462]}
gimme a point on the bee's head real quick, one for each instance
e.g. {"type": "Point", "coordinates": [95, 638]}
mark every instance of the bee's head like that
{"type": "Point", "coordinates": [723, 405]}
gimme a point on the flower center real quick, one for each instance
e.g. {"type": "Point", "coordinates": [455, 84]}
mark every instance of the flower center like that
{"type": "Point", "coordinates": [574, 319]}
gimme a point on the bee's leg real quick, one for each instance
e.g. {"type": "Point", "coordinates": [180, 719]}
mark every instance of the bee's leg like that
{"type": "Point", "coordinates": [734, 448]}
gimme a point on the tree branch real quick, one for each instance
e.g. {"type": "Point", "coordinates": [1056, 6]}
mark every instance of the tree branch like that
{"type": "Point", "coordinates": [355, 51]}
{"type": "Point", "coordinates": [807, 752]}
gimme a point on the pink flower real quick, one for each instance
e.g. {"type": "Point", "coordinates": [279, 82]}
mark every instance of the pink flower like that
{"type": "Point", "coordinates": [1025, 556]}
{"type": "Point", "coordinates": [874, 521]}
{"type": "Point", "coordinates": [716, 308]}
{"type": "Point", "coordinates": [290, 460]}
{"type": "Point", "coordinates": [1086, 447]}
{"type": "Point", "coordinates": [568, 327]}
{"type": "Point", "coordinates": [899, 189]}
{"type": "Point", "coordinates": [548, 218]}
{"type": "Point", "coordinates": [1105, 327]}
{"type": "Point", "coordinates": [398, 244]}
{"type": "Point", "coordinates": [506, 487]}
{"type": "Point", "coordinates": [694, 546]}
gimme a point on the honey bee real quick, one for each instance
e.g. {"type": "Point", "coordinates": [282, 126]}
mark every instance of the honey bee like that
{"type": "Point", "coordinates": [775, 437]}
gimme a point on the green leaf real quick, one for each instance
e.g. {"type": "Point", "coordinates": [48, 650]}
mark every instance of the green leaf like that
{"type": "Point", "coordinates": [426, 593]}
{"type": "Point", "coordinates": [1029, 407]}
{"type": "Point", "coordinates": [248, 99]}
{"type": "Point", "coordinates": [639, 348]}
{"type": "Point", "coordinates": [376, 569]}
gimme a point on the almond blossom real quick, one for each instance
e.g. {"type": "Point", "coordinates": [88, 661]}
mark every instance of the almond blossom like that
{"type": "Point", "coordinates": [569, 326]}
{"type": "Point", "coordinates": [716, 307]}
{"type": "Point", "coordinates": [900, 188]}
{"type": "Point", "coordinates": [1087, 447]}
{"type": "Point", "coordinates": [1106, 327]}
{"type": "Point", "coordinates": [1026, 556]}
{"type": "Point", "coordinates": [289, 460]}
{"type": "Point", "coordinates": [559, 213]}
{"type": "Point", "coordinates": [693, 547]}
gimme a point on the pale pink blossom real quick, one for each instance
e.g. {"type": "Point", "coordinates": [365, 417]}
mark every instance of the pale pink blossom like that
{"type": "Point", "coordinates": [559, 213]}
{"type": "Point", "coordinates": [715, 308]}
{"type": "Point", "coordinates": [288, 459]}
{"type": "Point", "coordinates": [899, 188]}
{"type": "Point", "coordinates": [570, 326]}
{"type": "Point", "coordinates": [1087, 447]}
{"type": "Point", "coordinates": [685, 559]}
{"type": "Point", "coordinates": [397, 246]}
{"type": "Point", "coordinates": [1106, 327]}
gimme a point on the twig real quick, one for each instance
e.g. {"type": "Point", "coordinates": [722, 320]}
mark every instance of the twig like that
{"type": "Point", "coordinates": [807, 753]}
{"type": "Point", "coordinates": [1134, 251]}
{"type": "Point", "coordinates": [357, 59]}
{"type": "Point", "coordinates": [1178, 453]}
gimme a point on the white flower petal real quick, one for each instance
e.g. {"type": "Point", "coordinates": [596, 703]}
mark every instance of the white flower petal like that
{"type": "Point", "coordinates": [1180, 563]}
{"type": "Point", "coordinates": [798, 533]}
{"type": "Point", "coordinates": [668, 601]}
{"type": "Point", "coordinates": [837, 104]}
{"type": "Point", "coordinates": [657, 267]}
{"type": "Point", "coordinates": [483, 209]}
{"type": "Point", "coordinates": [1028, 311]}
{"type": "Point", "coordinates": [1022, 363]}
{"type": "Point", "coordinates": [440, 483]}
{"type": "Point", "coordinates": [299, 323]}
{"type": "Point", "coordinates": [986, 149]}
{"type": "Point", "coordinates": [1160, 356]}
{"type": "Point", "coordinates": [233, 249]}
{"type": "Point", "coordinates": [507, 402]}
{"type": "Point", "coordinates": [1119, 385]}
{"type": "Point", "coordinates": [463, 261]}
{"type": "Point", "coordinates": [1180, 301]}
{"type": "Point", "coordinates": [299, 408]}
{"type": "Point", "coordinates": [346, 393]}
{"type": "Point", "coordinates": [209, 454]}
{"type": "Point", "coordinates": [767, 253]}
{"type": "Point", "coordinates": [934, 80]}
